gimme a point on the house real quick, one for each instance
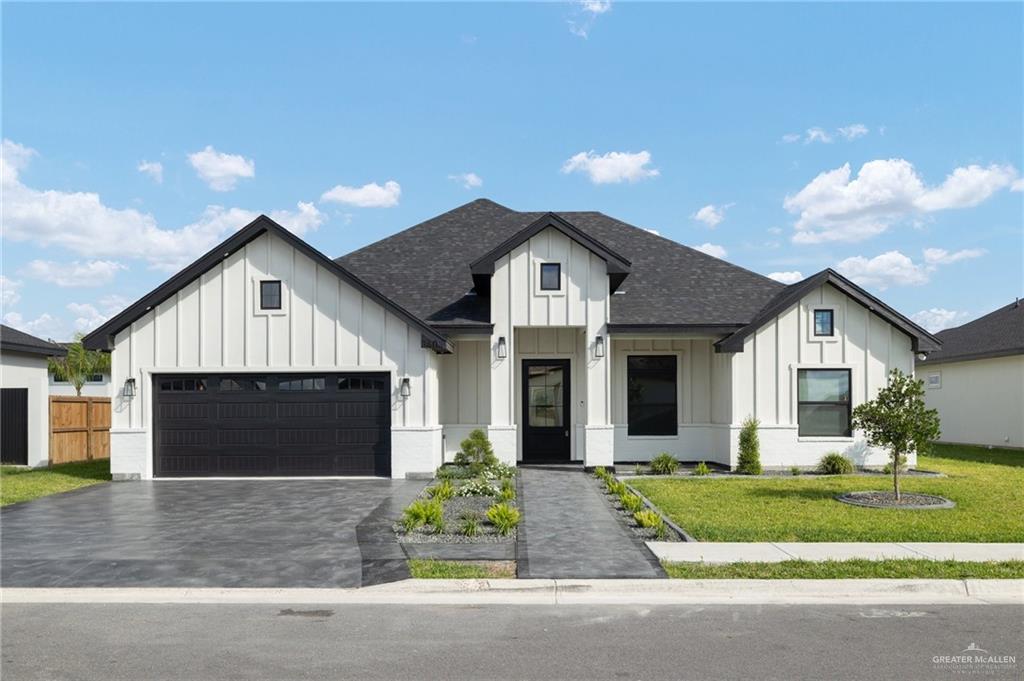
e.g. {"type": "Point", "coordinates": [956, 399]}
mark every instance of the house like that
{"type": "Point", "coordinates": [567, 336]}
{"type": "Point", "coordinates": [24, 397]}
{"type": "Point", "coordinates": [976, 380]}
{"type": "Point", "coordinates": [96, 385]}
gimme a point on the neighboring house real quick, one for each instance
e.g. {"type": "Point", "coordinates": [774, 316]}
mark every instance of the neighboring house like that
{"type": "Point", "coordinates": [976, 381]}
{"type": "Point", "coordinates": [96, 385]}
{"type": "Point", "coordinates": [566, 336]}
{"type": "Point", "coordinates": [24, 398]}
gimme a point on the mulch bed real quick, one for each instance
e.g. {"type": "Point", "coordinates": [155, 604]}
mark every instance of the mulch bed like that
{"type": "Point", "coordinates": [454, 509]}
{"type": "Point", "coordinates": [909, 501]}
{"type": "Point", "coordinates": [645, 533]}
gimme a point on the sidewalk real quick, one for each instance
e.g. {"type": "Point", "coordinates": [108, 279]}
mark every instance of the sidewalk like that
{"type": "Point", "coordinates": [776, 552]}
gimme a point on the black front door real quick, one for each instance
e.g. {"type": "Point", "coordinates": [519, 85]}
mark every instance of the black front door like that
{"type": "Point", "coordinates": [546, 410]}
{"type": "Point", "coordinates": [14, 425]}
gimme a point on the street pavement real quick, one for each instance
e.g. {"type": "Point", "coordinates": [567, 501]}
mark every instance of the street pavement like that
{"type": "Point", "coordinates": [351, 641]}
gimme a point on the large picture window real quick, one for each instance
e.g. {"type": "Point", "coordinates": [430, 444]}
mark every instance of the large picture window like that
{"type": "Point", "coordinates": [823, 402]}
{"type": "Point", "coordinates": [651, 394]}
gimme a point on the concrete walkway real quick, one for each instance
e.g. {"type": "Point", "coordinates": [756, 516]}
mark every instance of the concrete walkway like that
{"type": "Point", "coordinates": [776, 552]}
{"type": "Point", "coordinates": [569, 531]}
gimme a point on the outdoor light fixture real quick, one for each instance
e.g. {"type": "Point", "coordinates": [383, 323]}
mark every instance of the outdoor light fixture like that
{"type": "Point", "coordinates": [599, 346]}
{"type": "Point", "coordinates": [405, 390]}
{"type": "Point", "coordinates": [502, 348]}
{"type": "Point", "coordinates": [129, 387]}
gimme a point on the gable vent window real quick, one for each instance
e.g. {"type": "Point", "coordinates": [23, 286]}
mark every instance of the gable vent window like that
{"type": "Point", "coordinates": [824, 323]}
{"type": "Point", "coordinates": [550, 276]}
{"type": "Point", "coordinates": [270, 295]}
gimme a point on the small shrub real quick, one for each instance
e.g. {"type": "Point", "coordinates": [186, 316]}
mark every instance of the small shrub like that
{"type": "Point", "coordinates": [631, 502]}
{"type": "Point", "coordinates": [664, 464]}
{"type": "Point", "coordinates": [702, 469]}
{"type": "Point", "coordinates": [835, 463]}
{"type": "Point", "coordinates": [452, 472]}
{"type": "Point", "coordinates": [504, 517]}
{"type": "Point", "coordinates": [470, 525]}
{"type": "Point", "coordinates": [503, 470]}
{"type": "Point", "coordinates": [508, 490]}
{"type": "Point", "coordinates": [615, 487]}
{"type": "Point", "coordinates": [477, 487]}
{"type": "Point", "coordinates": [476, 452]}
{"type": "Point", "coordinates": [443, 491]}
{"type": "Point", "coordinates": [423, 512]}
{"type": "Point", "coordinates": [795, 470]}
{"type": "Point", "coordinates": [750, 448]}
{"type": "Point", "coordinates": [648, 519]}
{"type": "Point", "coordinates": [602, 473]}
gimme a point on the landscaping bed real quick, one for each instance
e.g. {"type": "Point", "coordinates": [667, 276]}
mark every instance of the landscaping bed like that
{"type": "Point", "coordinates": [643, 520]}
{"type": "Point", "coordinates": [987, 486]}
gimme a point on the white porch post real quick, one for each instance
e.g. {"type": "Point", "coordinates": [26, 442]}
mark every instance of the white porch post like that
{"type": "Point", "coordinates": [599, 445]}
{"type": "Point", "coordinates": [502, 425]}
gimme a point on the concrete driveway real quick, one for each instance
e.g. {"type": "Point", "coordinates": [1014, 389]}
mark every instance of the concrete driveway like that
{"type": "Point", "coordinates": [210, 533]}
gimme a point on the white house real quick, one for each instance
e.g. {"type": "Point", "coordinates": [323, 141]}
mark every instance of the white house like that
{"type": "Point", "coordinates": [976, 381]}
{"type": "Point", "coordinates": [566, 336]}
{"type": "Point", "coordinates": [96, 385]}
{"type": "Point", "coordinates": [24, 397]}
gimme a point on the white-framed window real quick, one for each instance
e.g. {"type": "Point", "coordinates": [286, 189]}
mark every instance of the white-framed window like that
{"type": "Point", "coordinates": [934, 381]}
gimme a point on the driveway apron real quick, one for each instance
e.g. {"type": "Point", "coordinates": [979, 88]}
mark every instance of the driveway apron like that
{"type": "Point", "coordinates": [570, 531]}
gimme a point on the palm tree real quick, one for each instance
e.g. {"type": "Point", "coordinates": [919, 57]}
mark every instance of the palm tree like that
{"type": "Point", "coordinates": [79, 364]}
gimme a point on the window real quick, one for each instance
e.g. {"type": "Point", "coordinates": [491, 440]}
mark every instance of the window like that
{"type": "Point", "coordinates": [360, 383]}
{"type": "Point", "coordinates": [934, 381]}
{"type": "Point", "coordinates": [243, 384]}
{"type": "Point", "coordinates": [824, 322]}
{"type": "Point", "coordinates": [91, 378]}
{"type": "Point", "coordinates": [651, 394]}
{"type": "Point", "coordinates": [311, 383]}
{"type": "Point", "coordinates": [183, 385]}
{"type": "Point", "coordinates": [270, 295]}
{"type": "Point", "coordinates": [823, 406]}
{"type": "Point", "coordinates": [550, 276]}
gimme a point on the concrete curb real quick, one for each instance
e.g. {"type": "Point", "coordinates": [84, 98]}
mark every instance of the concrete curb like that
{"type": "Point", "coordinates": [569, 592]}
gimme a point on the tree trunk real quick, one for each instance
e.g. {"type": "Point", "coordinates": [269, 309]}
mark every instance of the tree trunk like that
{"type": "Point", "coordinates": [896, 473]}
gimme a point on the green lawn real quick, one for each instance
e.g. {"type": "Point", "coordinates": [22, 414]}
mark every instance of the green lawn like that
{"type": "Point", "coordinates": [850, 569]}
{"type": "Point", "coordinates": [987, 486]}
{"type": "Point", "coordinates": [25, 484]}
{"type": "Point", "coordinates": [453, 569]}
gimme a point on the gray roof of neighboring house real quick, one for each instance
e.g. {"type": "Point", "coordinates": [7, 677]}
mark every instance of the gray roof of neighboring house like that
{"type": "Point", "coordinates": [998, 334]}
{"type": "Point", "coordinates": [426, 269]}
{"type": "Point", "coordinates": [13, 340]}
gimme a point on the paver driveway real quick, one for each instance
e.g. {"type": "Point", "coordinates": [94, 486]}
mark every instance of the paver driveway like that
{"type": "Point", "coordinates": [210, 533]}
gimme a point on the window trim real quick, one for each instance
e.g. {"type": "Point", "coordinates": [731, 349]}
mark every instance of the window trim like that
{"type": "Point", "coordinates": [257, 297]}
{"type": "Point", "coordinates": [538, 289]}
{"type": "Point", "coordinates": [928, 380]}
{"type": "Point", "coordinates": [848, 436]}
{"type": "Point", "coordinates": [831, 322]}
{"type": "Point", "coordinates": [808, 319]}
{"type": "Point", "coordinates": [678, 355]}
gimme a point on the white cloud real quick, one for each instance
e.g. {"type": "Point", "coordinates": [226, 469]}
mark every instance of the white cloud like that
{"type": "Point", "coordinates": [888, 269]}
{"type": "Point", "coordinates": [940, 256]}
{"type": "Point", "coordinates": [853, 131]}
{"type": "Point", "coordinates": [9, 294]}
{"type": "Point", "coordinates": [76, 273]}
{"type": "Point", "coordinates": [775, 230]}
{"type": "Point", "coordinates": [613, 167]}
{"type": "Point", "coordinates": [938, 318]}
{"type": "Point", "coordinates": [836, 207]}
{"type": "Point", "coordinates": [45, 326]}
{"type": "Point", "coordinates": [1018, 185]}
{"type": "Point", "coordinates": [586, 14]}
{"type": "Point", "coordinates": [83, 224]}
{"type": "Point", "coordinates": [89, 316]}
{"type": "Point", "coordinates": [370, 195]}
{"type": "Point", "coordinates": [787, 277]}
{"type": "Point", "coordinates": [467, 180]}
{"type": "Point", "coordinates": [817, 135]}
{"type": "Point", "coordinates": [154, 169]}
{"type": "Point", "coordinates": [221, 171]}
{"type": "Point", "coordinates": [711, 215]}
{"type": "Point", "coordinates": [711, 249]}
{"type": "Point", "coordinates": [791, 137]}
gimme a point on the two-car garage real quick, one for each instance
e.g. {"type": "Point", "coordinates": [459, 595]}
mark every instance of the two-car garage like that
{"type": "Point", "coordinates": [249, 425]}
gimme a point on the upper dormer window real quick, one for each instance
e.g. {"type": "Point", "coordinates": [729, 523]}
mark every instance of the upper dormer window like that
{"type": "Point", "coordinates": [270, 295]}
{"type": "Point", "coordinates": [550, 276]}
{"type": "Point", "coordinates": [824, 323]}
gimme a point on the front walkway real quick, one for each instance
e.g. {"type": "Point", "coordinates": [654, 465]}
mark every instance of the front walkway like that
{"type": "Point", "coordinates": [570, 532]}
{"type": "Point", "coordinates": [776, 552]}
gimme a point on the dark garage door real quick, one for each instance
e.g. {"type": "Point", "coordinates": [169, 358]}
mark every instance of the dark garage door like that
{"type": "Point", "coordinates": [14, 425]}
{"type": "Point", "coordinates": [275, 424]}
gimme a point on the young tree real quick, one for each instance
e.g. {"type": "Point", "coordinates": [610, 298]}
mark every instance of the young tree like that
{"type": "Point", "coordinates": [750, 448]}
{"type": "Point", "coordinates": [79, 364]}
{"type": "Point", "coordinates": [898, 420]}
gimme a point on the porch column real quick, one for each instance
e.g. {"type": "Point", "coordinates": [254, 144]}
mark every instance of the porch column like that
{"type": "Point", "coordinates": [502, 425]}
{"type": "Point", "coordinates": [599, 445]}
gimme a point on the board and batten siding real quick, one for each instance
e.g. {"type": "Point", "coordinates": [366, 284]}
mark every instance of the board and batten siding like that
{"type": "Point", "coordinates": [213, 324]}
{"type": "Point", "coordinates": [517, 303]}
{"type": "Point", "coordinates": [980, 402]}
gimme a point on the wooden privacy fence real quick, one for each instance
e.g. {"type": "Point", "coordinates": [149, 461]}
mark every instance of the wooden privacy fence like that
{"type": "Point", "coordinates": [79, 428]}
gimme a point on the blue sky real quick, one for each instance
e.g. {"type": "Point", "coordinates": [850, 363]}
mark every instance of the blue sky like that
{"type": "Point", "coordinates": [882, 140]}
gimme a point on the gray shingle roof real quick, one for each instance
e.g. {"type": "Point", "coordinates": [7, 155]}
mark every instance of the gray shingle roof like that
{"type": "Point", "coordinates": [998, 334]}
{"type": "Point", "coordinates": [18, 341]}
{"type": "Point", "coordinates": [426, 270]}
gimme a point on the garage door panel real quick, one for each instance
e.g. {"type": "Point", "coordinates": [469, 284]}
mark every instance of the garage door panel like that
{"type": "Point", "coordinates": [274, 424]}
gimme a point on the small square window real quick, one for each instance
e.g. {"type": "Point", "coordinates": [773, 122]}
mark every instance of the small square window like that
{"type": "Point", "coordinates": [934, 381]}
{"type": "Point", "coordinates": [550, 276]}
{"type": "Point", "coordinates": [824, 323]}
{"type": "Point", "coordinates": [270, 295]}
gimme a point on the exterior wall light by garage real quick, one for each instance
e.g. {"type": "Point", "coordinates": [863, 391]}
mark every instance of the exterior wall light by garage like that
{"type": "Point", "coordinates": [405, 390]}
{"type": "Point", "coordinates": [599, 346]}
{"type": "Point", "coordinates": [502, 348]}
{"type": "Point", "coordinates": [129, 388]}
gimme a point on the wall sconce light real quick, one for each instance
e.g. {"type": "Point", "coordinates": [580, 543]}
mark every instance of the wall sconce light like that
{"type": "Point", "coordinates": [502, 348]}
{"type": "Point", "coordinates": [405, 389]}
{"type": "Point", "coordinates": [129, 387]}
{"type": "Point", "coordinates": [599, 346]}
